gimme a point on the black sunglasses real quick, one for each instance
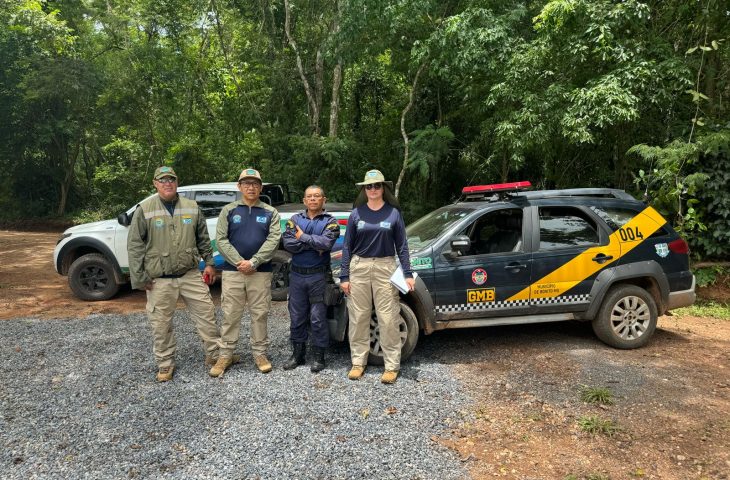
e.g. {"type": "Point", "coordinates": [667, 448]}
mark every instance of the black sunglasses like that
{"type": "Point", "coordinates": [374, 186]}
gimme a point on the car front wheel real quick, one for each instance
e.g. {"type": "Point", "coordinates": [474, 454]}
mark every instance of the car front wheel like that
{"type": "Point", "coordinates": [408, 328]}
{"type": "Point", "coordinates": [91, 277]}
{"type": "Point", "coordinates": [627, 318]}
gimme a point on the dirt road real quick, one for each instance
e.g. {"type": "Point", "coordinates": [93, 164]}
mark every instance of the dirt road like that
{"type": "Point", "coordinates": [669, 419]}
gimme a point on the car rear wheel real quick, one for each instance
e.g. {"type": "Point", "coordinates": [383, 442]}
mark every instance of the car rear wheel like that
{"type": "Point", "coordinates": [91, 277]}
{"type": "Point", "coordinates": [280, 275]}
{"type": "Point", "coordinates": [627, 318]}
{"type": "Point", "coordinates": [408, 327]}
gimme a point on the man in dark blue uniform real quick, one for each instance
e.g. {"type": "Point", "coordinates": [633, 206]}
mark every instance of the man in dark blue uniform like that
{"type": "Point", "coordinates": [309, 236]}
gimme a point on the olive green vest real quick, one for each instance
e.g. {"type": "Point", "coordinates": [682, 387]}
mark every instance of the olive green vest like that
{"type": "Point", "coordinates": [171, 240]}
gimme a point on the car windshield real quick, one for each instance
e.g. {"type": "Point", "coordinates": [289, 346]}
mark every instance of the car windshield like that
{"type": "Point", "coordinates": [427, 228]}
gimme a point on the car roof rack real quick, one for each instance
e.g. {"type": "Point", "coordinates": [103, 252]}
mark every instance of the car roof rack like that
{"type": "Point", "coordinates": [578, 192]}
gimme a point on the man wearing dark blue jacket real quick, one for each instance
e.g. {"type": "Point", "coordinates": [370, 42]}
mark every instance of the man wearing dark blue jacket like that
{"type": "Point", "coordinates": [309, 236]}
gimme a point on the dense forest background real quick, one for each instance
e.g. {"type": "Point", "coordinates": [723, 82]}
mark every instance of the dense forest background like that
{"type": "Point", "coordinates": [438, 94]}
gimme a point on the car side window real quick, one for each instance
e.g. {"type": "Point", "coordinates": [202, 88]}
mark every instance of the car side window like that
{"type": "Point", "coordinates": [211, 202]}
{"type": "Point", "coordinates": [562, 227]}
{"type": "Point", "coordinates": [496, 232]}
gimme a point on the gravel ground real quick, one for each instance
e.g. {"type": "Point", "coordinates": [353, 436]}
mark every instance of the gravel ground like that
{"type": "Point", "coordinates": [78, 399]}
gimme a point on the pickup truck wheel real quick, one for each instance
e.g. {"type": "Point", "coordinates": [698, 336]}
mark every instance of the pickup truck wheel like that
{"type": "Point", "coordinates": [408, 326]}
{"type": "Point", "coordinates": [627, 318]}
{"type": "Point", "coordinates": [91, 277]}
{"type": "Point", "coordinates": [280, 279]}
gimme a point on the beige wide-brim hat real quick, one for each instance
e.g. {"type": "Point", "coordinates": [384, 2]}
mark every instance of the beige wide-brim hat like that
{"type": "Point", "coordinates": [376, 176]}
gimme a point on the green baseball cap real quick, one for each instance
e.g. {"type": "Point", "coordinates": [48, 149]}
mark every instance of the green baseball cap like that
{"type": "Point", "coordinates": [164, 171]}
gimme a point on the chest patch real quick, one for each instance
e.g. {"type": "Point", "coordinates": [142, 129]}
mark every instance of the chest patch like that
{"type": "Point", "coordinates": [260, 219]}
{"type": "Point", "coordinates": [159, 223]}
{"type": "Point", "coordinates": [187, 220]}
{"type": "Point", "coordinates": [361, 224]}
{"type": "Point", "coordinates": [385, 225]}
{"type": "Point", "coordinates": [236, 219]}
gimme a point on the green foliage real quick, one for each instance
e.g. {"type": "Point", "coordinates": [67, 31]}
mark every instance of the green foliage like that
{"type": "Point", "coordinates": [95, 95]}
{"type": "Point", "coordinates": [428, 147]}
{"type": "Point", "coordinates": [601, 395]}
{"type": "Point", "coordinates": [597, 426]}
{"type": "Point", "coordinates": [704, 308]}
{"type": "Point", "coordinates": [709, 275]}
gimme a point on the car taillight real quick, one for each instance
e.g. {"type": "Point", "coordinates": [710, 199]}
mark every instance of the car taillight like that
{"type": "Point", "coordinates": [342, 221]}
{"type": "Point", "coordinates": [679, 246]}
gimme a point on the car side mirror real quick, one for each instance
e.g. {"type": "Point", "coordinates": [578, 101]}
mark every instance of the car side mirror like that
{"type": "Point", "coordinates": [460, 245]}
{"type": "Point", "coordinates": [124, 219]}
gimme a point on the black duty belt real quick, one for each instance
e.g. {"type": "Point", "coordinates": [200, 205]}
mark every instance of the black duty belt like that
{"type": "Point", "coordinates": [310, 270]}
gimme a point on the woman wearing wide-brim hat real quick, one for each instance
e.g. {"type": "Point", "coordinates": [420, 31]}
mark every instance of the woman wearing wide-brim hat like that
{"type": "Point", "coordinates": [376, 234]}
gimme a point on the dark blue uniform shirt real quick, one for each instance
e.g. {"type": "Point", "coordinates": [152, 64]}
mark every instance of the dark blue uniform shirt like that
{"type": "Point", "coordinates": [312, 249]}
{"type": "Point", "coordinates": [375, 233]}
{"type": "Point", "coordinates": [248, 228]}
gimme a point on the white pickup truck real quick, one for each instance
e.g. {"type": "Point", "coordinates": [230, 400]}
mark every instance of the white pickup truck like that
{"type": "Point", "coordinates": [94, 255]}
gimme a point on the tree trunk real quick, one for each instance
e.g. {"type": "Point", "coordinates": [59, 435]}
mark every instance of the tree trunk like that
{"type": "Point", "coordinates": [335, 104]}
{"type": "Point", "coordinates": [69, 166]}
{"type": "Point", "coordinates": [313, 110]}
{"type": "Point", "coordinates": [403, 129]}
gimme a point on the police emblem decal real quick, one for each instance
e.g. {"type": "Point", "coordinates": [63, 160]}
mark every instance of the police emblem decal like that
{"type": "Point", "coordinates": [236, 219]}
{"type": "Point", "coordinates": [662, 249]}
{"type": "Point", "coordinates": [479, 276]}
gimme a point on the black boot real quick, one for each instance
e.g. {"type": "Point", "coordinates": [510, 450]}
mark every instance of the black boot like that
{"type": "Point", "coordinates": [297, 356]}
{"type": "Point", "coordinates": [318, 364]}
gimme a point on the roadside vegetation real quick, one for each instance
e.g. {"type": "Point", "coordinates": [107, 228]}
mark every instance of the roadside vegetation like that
{"type": "Point", "coordinates": [437, 94]}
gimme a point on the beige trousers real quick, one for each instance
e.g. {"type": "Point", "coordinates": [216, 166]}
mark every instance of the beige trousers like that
{"type": "Point", "coordinates": [161, 302]}
{"type": "Point", "coordinates": [370, 284]}
{"type": "Point", "coordinates": [237, 291]}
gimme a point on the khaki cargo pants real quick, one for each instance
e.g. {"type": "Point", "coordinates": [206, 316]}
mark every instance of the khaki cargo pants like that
{"type": "Point", "coordinates": [370, 284]}
{"type": "Point", "coordinates": [237, 291]}
{"type": "Point", "coordinates": [161, 302]}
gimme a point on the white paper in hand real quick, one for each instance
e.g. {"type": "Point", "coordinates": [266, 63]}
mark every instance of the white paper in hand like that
{"type": "Point", "coordinates": [399, 280]}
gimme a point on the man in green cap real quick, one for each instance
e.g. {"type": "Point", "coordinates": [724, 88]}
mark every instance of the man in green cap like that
{"type": "Point", "coordinates": [167, 238]}
{"type": "Point", "coordinates": [247, 236]}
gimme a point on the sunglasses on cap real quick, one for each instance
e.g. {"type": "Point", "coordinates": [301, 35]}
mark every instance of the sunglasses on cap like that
{"type": "Point", "coordinates": [374, 186]}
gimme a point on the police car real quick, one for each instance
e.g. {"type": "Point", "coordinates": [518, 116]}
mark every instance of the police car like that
{"type": "Point", "coordinates": [504, 255]}
{"type": "Point", "coordinates": [94, 255]}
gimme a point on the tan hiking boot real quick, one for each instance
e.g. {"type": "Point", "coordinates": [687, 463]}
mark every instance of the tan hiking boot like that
{"type": "Point", "coordinates": [262, 363]}
{"type": "Point", "coordinates": [220, 366]}
{"type": "Point", "coordinates": [389, 376]}
{"type": "Point", "coordinates": [211, 359]}
{"type": "Point", "coordinates": [164, 374]}
{"type": "Point", "coordinates": [356, 372]}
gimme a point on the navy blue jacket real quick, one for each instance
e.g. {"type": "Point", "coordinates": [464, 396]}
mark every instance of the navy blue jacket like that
{"type": "Point", "coordinates": [312, 249]}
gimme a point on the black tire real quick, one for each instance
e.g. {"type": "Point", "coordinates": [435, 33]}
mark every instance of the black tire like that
{"type": "Point", "coordinates": [91, 277]}
{"type": "Point", "coordinates": [627, 318]}
{"type": "Point", "coordinates": [408, 326]}
{"type": "Point", "coordinates": [280, 280]}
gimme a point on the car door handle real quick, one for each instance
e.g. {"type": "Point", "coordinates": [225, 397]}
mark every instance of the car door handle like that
{"type": "Point", "coordinates": [601, 258]}
{"type": "Point", "coordinates": [515, 266]}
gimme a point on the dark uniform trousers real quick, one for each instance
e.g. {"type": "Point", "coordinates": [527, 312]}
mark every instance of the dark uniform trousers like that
{"type": "Point", "coordinates": [306, 306]}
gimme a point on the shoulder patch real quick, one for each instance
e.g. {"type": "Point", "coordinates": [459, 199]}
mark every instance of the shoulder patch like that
{"type": "Point", "coordinates": [289, 224]}
{"type": "Point", "coordinates": [333, 226]}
